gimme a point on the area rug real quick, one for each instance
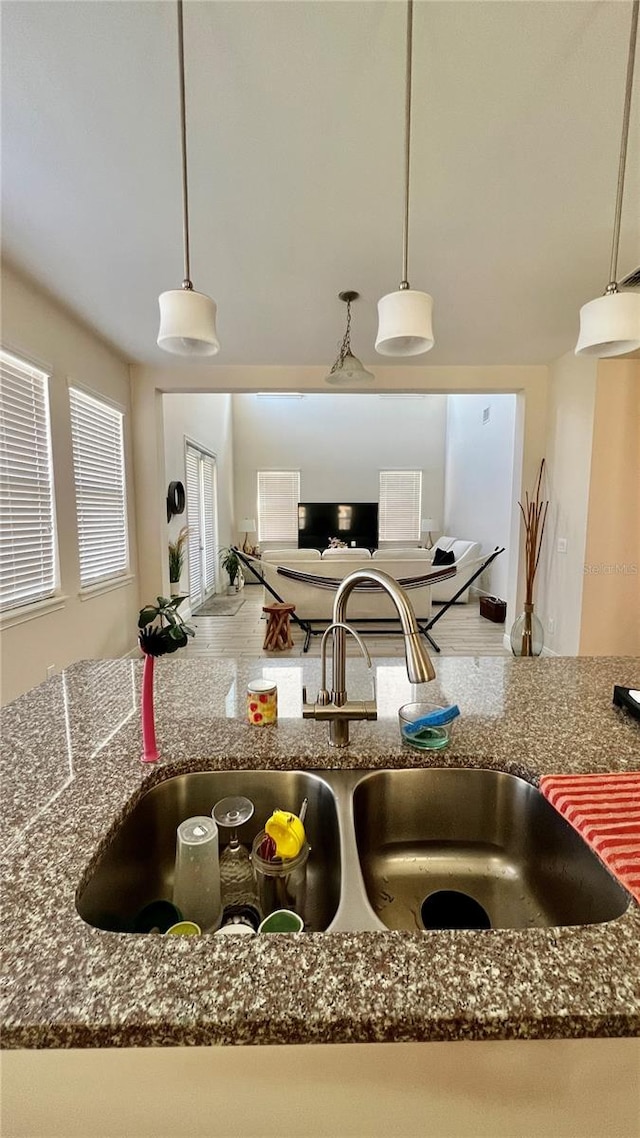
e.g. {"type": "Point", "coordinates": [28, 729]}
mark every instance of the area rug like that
{"type": "Point", "coordinates": [220, 606]}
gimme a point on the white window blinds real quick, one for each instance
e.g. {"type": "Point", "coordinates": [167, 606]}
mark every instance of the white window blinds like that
{"type": "Point", "coordinates": [278, 497]}
{"type": "Point", "coordinates": [209, 521]}
{"type": "Point", "coordinates": [27, 527]}
{"type": "Point", "coordinates": [202, 515]}
{"type": "Point", "coordinates": [194, 541]}
{"type": "Point", "coordinates": [98, 466]}
{"type": "Point", "coordinates": [400, 505]}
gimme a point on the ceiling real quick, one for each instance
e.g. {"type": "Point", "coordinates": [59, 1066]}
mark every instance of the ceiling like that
{"type": "Point", "coordinates": [295, 132]}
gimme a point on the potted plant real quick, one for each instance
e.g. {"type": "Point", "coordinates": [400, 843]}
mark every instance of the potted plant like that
{"type": "Point", "coordinates": [231, 564]}
{"type": "Point", "coordinates": [161, 630]}
{"type": "Point", "coordinates": [177, 551]}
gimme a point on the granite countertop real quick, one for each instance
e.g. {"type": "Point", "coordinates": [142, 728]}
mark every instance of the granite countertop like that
{"type": "Point", "coordinates": [70, 772]}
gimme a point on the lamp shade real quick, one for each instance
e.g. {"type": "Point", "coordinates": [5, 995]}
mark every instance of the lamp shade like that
{"type": "Point", "coordinates": [610, 325]}
{"type": "Point", "coordinates": [349, 370]}
{"type": "Point", "coordinates": [428, 524]}
{"type": "Point", "coordinates": [247, 524]}
{"type": "Point", "coordinates": [187, 323]}
{"type": "Point", "coordinates": [404, 323]}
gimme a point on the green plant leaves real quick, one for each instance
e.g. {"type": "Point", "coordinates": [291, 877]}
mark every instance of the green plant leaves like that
{"type": "Point", "coordinates": [171, 633]}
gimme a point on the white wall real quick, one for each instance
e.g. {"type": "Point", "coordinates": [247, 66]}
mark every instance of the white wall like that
{"type": "Point", "coordinates": [205, 420]}
{"type": "Point", "coordinates": [339, 443]}
{"type": "Point", "coordinates": [89, 623]}
{"type": "Point", "coordinates": [558, 596]}
{"type": "Point", "coordinates": [479, 478]}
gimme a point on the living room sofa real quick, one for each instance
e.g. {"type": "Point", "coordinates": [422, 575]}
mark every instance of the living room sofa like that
{"type": "Point", "coordinates": [315, 603]}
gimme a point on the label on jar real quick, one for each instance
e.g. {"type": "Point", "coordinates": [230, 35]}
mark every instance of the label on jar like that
{"type": "Point", "coordinates": [262, 703]}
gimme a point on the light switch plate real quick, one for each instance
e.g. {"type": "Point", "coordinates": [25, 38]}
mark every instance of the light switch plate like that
{"type": "Point", "coordinates": [562, 545]}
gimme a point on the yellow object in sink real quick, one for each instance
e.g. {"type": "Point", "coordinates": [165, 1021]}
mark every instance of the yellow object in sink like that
{"type": "Point", "coordinates": [287, 831]}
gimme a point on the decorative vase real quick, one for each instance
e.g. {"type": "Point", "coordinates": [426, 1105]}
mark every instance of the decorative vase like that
{"type": "Point", "coordinates": [174, 588]}
{"type": "Point", "coordinates": [527, 634]}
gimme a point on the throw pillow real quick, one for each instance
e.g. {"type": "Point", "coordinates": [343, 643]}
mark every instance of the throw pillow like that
{"type": "Point", "coordinates": [443, 557]}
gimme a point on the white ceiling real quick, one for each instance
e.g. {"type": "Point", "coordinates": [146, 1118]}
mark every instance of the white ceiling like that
{"type": "Point", "coordinates": [295, 121]}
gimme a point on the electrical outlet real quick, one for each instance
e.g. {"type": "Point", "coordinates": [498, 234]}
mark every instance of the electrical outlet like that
{"type": "Point", "coordinates": [551, 625]}
{"type": "Point", "coordinates": [51, 670]}
{"type": "Point", "coordinates": [562, 545]}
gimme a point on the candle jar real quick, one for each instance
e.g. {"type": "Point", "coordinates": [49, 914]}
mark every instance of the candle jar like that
{"type": "Point", "coordinates": [262, 703]}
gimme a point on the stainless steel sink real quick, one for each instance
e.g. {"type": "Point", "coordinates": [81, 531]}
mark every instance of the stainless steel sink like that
{"type": "Point", "coordinates": [137, 865]}
{"type": "Point", "coordinates": [401, 849]}
{"type": "Point", "coordinates": [467, 841]}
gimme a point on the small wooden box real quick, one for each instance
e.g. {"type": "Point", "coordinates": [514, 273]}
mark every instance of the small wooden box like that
{"type": "Point", "coordinates": [493, 609]}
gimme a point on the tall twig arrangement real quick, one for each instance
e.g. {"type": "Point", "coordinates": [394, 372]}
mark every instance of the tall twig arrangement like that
{"type": "Point", "coordinates": [534, 515]}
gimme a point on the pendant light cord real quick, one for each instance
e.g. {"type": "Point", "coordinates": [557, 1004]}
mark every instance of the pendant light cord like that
{"type": "Point", "coordinates": [186, 284]}
{"type": "Point", "coordinates": [612, 287]}
{"type": "Point", "coordinates": [404, 284]}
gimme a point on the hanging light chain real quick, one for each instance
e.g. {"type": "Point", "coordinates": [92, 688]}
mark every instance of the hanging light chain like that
{"type": "Point", "coordinates": [186, 284]}
{"type": "Point", "coordinates": [344, 348]}
{"type": "Point", "coordinates": [404, 284]}
{"type": "Point", "coordinates": [612, 287]}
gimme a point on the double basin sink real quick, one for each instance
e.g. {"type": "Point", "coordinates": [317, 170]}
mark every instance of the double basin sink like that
{"type": "Point", "coordinates": [391, 849]}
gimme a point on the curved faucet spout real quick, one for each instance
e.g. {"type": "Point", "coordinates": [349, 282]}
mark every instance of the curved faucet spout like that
{"type": "Point", "coordinates": [334, 705]}
{"type": "Point", "coordinates": [419, 666]}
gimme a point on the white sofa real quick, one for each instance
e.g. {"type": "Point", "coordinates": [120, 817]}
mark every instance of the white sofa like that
{"type": "Point", "coordinates": [468, 557]}
{"type": "Point", "coordinates": [314, 603]}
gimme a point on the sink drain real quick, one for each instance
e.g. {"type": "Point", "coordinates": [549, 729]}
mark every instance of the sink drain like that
{"type": "Point", "coordinates": [451, 909]}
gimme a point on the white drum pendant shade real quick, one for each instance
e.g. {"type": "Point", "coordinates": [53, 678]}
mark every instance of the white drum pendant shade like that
{"type": "Point", "coordinates": [405, 323]}
{"type": "Point", "coordinates": [187, 323]}
{"type": "Point", "coordinates": [610, 325]}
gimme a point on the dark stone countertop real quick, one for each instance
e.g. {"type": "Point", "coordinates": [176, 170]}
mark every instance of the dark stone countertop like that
{"type": "Point", "coordinates": [70, 772]}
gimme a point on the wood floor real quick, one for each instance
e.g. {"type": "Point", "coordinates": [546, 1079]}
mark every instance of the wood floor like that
{"type": "Point", "coordinates": [460, 632]}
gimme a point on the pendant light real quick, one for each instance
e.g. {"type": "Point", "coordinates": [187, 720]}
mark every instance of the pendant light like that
{"type": "Point", "coordinates": [404, 317]}
{"type": "Point", "coordinates": [347, 368]}
{"type": "Point", "coordinates": [610, 325]}
{"type": "Point", "coordinates": [187, 317]}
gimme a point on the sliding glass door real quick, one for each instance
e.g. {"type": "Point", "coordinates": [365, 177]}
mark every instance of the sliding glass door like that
{"type": "Point", "coordinates": [202, 519]}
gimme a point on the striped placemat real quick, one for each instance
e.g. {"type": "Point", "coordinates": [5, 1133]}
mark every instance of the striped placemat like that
{"type": "Point", "coordinates": [605, 810]}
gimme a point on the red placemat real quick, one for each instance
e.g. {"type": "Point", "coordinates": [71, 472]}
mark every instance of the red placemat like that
{"type": "Point", "coordinates": [605, 810]}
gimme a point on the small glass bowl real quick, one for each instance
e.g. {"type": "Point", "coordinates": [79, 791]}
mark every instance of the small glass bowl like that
{"type": "Point", "coordinates": [426, 738]}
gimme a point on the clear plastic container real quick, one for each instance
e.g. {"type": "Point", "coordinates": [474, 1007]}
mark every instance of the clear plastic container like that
{"type": "Point", "coordinates": [425, 738]}
{"type": "Point", "coordinates": [281, 883]}
{"type": "Point", "coordinates": [196, 883]}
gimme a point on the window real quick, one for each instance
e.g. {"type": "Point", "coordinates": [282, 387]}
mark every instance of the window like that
{"type": "Point", "coordinates": [27, 530]}
{"type": "Point", "coordinates": [400, 505]}
{"type": "Point", "coordinates": [202, 515]}
{"type": "Point", "coordinates": [278, 497]}
{"type": "Point", "coordinates": [98, 466]}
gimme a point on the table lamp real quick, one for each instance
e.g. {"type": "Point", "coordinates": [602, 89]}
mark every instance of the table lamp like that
{"type": "Point", "coordinates": [426, 526]}
{"type": "Point", "coordinates": [249, 526]}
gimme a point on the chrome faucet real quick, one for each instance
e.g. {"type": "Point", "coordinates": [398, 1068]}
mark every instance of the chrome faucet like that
{"type": "Point", "coordinates": [334, 705]}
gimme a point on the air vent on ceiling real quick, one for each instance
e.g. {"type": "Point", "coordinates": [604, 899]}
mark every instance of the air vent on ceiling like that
{"type": "Point", "coordinates": [632, 280]}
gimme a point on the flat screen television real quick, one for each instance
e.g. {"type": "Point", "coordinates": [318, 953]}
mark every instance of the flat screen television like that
{"type": "Point", "coordinates": [356, 523]}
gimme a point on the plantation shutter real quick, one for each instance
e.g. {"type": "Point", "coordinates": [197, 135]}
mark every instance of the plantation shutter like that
{"type": "Point", "coordinates": [194, 544]}
{"type": "Point", "coordinates": [400, 505]}
{"type": "Point", "coordinates": [278, 497]}
{"type": "Point", "coordinates": [209, 523]}
{"type": "Point", "coordinates": [101, 508]}
{"type": "Point", "coordinates": [27, 528]}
